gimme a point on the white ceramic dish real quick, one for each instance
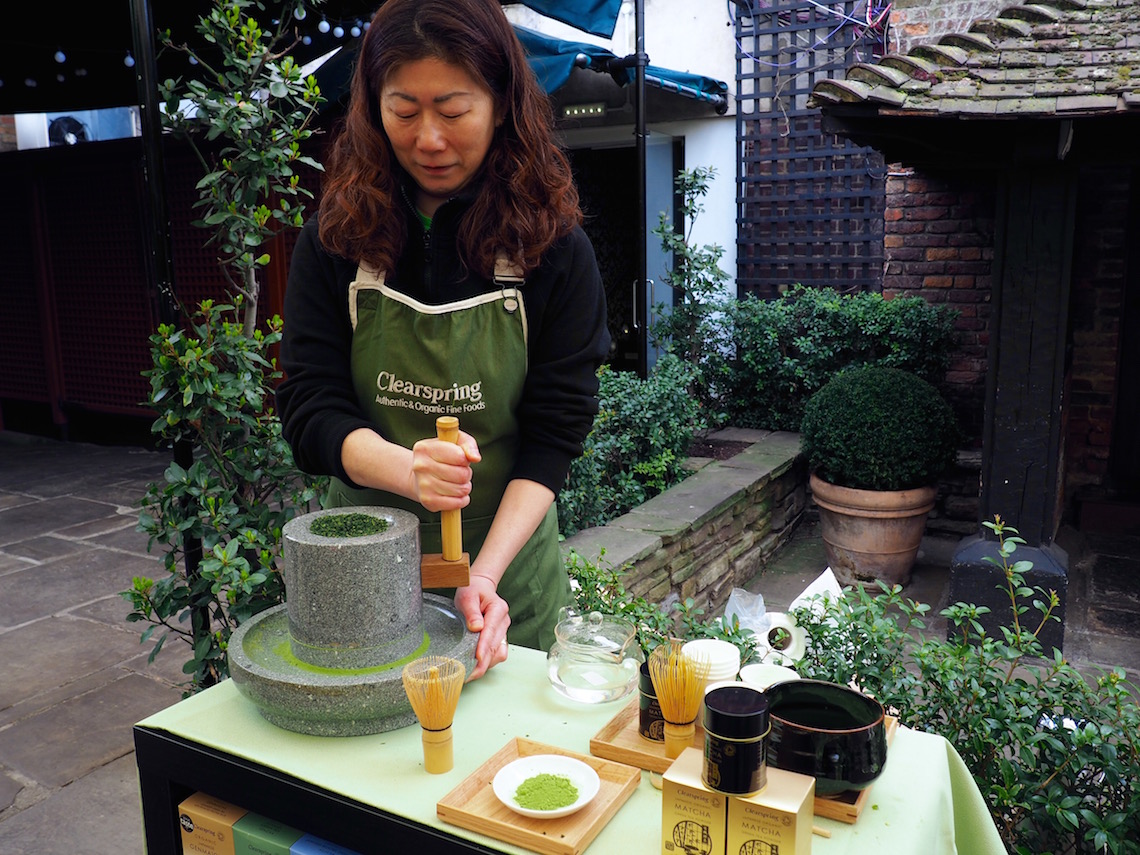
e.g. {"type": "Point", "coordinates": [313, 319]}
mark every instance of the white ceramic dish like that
{"type": "Point", "coordinates": [581, 775]}
{"type": "Point", "coordinates": [762, 675]}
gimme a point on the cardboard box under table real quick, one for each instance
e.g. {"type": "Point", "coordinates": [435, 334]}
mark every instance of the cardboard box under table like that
{"type": "Point", "coordinates": [371, 794]}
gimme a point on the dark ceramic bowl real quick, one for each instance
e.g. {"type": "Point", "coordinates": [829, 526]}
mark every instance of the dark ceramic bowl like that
{"type": "Point", "coordinates": [833, 733]}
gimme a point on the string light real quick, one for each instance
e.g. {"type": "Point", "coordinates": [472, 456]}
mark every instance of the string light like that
{"type": "Point", "coordinates": [355, 30]}
{"type": "Point", "coordinates": [338, 31]}
{"type": "Point", "coordinates": [299, 13]}
{"type": "Point", "coordinates": [323, 26]}
{"type": "Point", "coordinates": [60, 56]}
{"type": "Point", "coordinates": [128, 60]}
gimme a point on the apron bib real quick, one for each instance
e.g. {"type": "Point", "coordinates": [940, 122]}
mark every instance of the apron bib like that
{"type": "Point", "coordinates": [413, 362]}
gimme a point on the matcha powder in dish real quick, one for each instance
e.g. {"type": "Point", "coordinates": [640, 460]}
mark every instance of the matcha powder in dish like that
{"type": "Point", "coordinates": [546, 792]}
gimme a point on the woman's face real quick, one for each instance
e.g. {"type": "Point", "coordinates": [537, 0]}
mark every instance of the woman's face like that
{"type": "Point", "coordinates": [440, 122]}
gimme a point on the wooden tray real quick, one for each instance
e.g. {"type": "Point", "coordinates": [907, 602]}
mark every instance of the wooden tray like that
{"type": "Point", "coordinates": [473, 805]}
{"type": "Point", "coordinates": [847, 806]}
{"type": "Point", "coordinates": [620, 741]}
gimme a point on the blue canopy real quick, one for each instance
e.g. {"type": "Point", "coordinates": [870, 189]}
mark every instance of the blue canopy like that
{"type": "Point", "coordinates": [597, 17]}
{"type": "Point", "coordinates": [553, 60]}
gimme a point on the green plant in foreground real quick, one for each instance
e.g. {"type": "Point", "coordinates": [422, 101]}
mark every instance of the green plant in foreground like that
{"type": "Point", "coordinates": [1056, 756]}
{"type": "Point", "coordinates": [212, 385]}
{"type": "Point", "coordinates": [598, 587]}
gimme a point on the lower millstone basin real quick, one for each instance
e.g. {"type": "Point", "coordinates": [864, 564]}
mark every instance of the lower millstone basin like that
{"type": "Point", "coordinates": [322, 701]}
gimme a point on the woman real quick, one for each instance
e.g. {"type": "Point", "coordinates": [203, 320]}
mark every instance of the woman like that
{"type": "Point", "coordinates": [447, 274]}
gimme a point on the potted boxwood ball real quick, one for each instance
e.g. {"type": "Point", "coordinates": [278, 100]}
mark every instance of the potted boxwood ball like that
{"type": "Point", "coordinates": [876, 440]}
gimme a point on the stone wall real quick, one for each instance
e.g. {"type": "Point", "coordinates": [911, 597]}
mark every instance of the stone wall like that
{"type": "Point", "coordinates": [713, 531]}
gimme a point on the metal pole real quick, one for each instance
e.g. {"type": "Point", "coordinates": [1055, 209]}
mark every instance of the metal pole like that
{"type": "Point", "coordinates": [641, 310]}
{"type": "Point", "coordinates": [160, 257]}
{"type": "Point", "coordinates": [146, 77]}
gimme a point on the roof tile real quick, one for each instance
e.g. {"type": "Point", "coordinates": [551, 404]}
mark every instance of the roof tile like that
{"type": "Point", "coordinates": [1033, 59]}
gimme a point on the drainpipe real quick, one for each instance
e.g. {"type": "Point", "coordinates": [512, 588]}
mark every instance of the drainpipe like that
{"type": "Point", "coordinates": [640, 307]}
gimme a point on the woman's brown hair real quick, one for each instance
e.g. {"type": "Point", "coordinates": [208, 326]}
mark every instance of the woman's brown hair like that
{"type": "Point", "coordinates": [526, 199]}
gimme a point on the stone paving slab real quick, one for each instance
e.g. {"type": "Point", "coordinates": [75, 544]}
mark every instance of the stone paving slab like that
{"type": "Point", "coordinates": [54, 587]}
{"type": "Point", "coordinates": [28, 521]}
{"type": "Point", "coordinates": [56, 652]}
{"type": "Point", "coordinates": [96, 815]}
{"type": "Point", "coordinates": [73, 738]}
{"type": "Point", "coordinates": [9, 789]}
{"type": "Point", "coordinates": [46, 548]}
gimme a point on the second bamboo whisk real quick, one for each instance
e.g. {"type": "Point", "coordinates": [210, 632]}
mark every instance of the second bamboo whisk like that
{"type": "Point", "coordinates": [679, 681]}
{"type": "Point", "coordinates": [433, 684]}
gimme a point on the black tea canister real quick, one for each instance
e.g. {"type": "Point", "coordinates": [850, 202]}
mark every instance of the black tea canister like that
{"type": "Point", "coordinates": [650, 723]}
{"type": "Point", "coordinates": [736, 725]}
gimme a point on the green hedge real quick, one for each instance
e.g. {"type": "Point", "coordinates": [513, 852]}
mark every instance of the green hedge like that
{"type": "Point", "coordinates": [772, 356]}
{"type": "Point", "coordinates": [879, 428]}
{"type": "Point", "coordinates": [636, 447]}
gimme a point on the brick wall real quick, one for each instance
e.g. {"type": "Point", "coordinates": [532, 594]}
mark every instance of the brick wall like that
{"type": "Point", "coordinates": [938, 244]}
{"type": "Point", "coordinates": [1098, 290]}
{"type": "Point", "coordinates": [924, 21]}
{"type": "Point", "coordinates": [7, 133]}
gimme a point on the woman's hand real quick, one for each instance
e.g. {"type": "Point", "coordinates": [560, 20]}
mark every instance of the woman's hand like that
{"type": "Point", "coordinates": [441, 472]}
{"type": "Point", "coordinates": [487, 614]}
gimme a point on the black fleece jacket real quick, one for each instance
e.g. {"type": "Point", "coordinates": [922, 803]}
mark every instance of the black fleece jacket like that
{"type": "Point", "coordinates": [568, 339]}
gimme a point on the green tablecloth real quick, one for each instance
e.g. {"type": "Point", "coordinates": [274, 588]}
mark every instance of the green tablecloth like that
{"type": "Point", "coordinates": [925, 802]}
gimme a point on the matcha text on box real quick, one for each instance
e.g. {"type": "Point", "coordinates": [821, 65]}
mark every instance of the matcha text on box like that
{"type": "Point", "coordinates": [255, 834]}
{"type": "Point", "coordinates": [777, 819]}
{"type": "Point", "coordinates": [692, 816]}
{"type": "Point", "coordinates": [207, 825]}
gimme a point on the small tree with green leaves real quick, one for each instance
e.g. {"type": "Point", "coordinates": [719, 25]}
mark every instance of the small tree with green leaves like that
{"type": "Point", "coordinates": [246, 118]}
{"type": "Point", "coordinates": [692, 327]}
{"type": "Point", "coordinates": [219, 515]}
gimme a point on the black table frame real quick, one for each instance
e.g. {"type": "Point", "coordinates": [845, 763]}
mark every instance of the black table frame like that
{"type": "Point", "coordinates": [172, 768]}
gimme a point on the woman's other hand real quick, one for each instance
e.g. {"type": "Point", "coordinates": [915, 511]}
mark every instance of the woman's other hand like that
{"type": "Point", "coordinates": [487, 614]}
{"type": "Point", "coordinates": [441, 472]}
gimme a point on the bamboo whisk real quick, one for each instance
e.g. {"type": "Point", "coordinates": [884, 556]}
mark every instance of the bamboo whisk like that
{"type": "Point", "coordinates": [679, 681]}
{"type": "Point", "coordinates": [432, 684]}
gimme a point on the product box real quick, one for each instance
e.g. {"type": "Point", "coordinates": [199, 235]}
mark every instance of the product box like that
{"type": "Point", "coordinates": [693, 817]}
{"type": "Point", "coordinates": [312, 845]}
{"type": "Point", "coordinates": [255, 834]}
{"type": "Point", "coordinates": [776, 819]}
{"type": "Point", "coordinates": [208, 825]}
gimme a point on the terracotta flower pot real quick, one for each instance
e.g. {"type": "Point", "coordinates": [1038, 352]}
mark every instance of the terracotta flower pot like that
{"type": "Point", "coordinates": [870, 534]}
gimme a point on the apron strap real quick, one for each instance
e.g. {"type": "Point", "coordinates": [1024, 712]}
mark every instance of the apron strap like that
{"type": "Point", "coordinates": [507, 274]}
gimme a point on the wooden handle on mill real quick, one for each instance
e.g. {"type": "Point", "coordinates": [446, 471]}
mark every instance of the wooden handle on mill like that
{"type": "Point", "coordinates": [451, 524]}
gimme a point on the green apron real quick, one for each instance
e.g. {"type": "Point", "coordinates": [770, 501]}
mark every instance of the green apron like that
{"type": "Point", "coordinates": [413, 362]}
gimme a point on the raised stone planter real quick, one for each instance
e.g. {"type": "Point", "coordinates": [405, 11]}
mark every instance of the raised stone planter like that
{"type": "Point", "coordinates": [714, 530]}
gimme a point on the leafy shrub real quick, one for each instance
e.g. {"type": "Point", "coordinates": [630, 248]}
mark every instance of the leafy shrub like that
{"type": "Point", "coordinates": [637, 446]}
{"type": "Point", "coordinates": [1056, 758]}
{"type": "Point", "coordinates": [213, 385]}
{"type": "Point", "coordinates": [598, 588]}
{"type": "Point", "coordinates": [692, 327]}
{"type": "Point", "coordinates": [879, 428]}
{"type": "Point", "coordinates": [772, 356]}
